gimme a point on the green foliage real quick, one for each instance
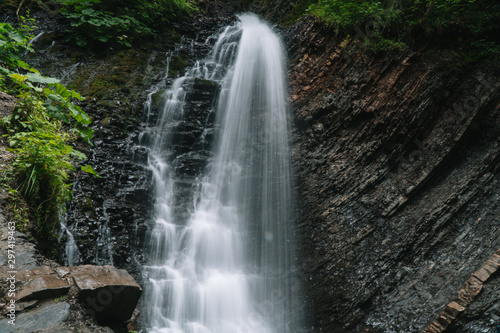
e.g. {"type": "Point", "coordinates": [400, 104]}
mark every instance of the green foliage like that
{"type": "Point", "coordinates": [298, 9]}
{"type": "Point", "coordinates": [61, 298]}
{"type": "Point", "coordinates": [43, 152]}
{"type": "Point", "coordinates": [378, 43]}
{"type": "Point", "coordinates": [160, 12]}
{"type": "Point", "coordinates": [89, 22]}
{"type": "Point", "coordinates": [19, 210]}
{"type": "Point", "coordinates": [41, 129]}
{"type": "Point", "coordinates": [96, 21]}
{"type": "Point", "coordinates": [472, 25]}
{"type": "Point", "coordinates": [55, 100]}
{"type": "Point", "coordinates": [349, 13]}
{"type": "Point", "coordinates": [13, 43]}
{"type": "Point", "coordinates": [483, 48]}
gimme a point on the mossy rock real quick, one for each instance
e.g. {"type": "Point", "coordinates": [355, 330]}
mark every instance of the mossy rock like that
{"type": "Point", "coordinates": [205, 84]}
{"type": "Point", "coordinates": [176, 66]}
{"type": "Point", "coordinates": [157, 98]}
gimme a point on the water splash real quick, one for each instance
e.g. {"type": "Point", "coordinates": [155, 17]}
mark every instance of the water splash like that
{"type": "Point", "coordinates": [71, 252]}
{"type": "Point", "coordinates": [224, 268]}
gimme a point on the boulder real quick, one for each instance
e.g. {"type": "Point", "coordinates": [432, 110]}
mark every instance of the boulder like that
{"type": "Point", "coordinates": [109, 294]}
{"type": "Point", "coordinates": [44, 286]}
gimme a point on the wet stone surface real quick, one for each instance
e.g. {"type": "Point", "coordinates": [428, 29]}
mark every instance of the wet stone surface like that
{"type": "Point", "coordinates": [397, 162]}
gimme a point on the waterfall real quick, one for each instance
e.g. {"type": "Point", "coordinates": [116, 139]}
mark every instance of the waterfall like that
{"type": "Point", "coordinates": [220, 263]}
{"type": "Point", "coordinates": [71, 252]}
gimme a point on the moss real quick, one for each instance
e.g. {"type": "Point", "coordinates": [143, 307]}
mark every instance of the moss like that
{"type": "Point", "coordinates": [87, 205]}
{"type": "Point", "coordinates": [157, 98]}
{"type": "Point", "coordinates": [105, 122]}
{"type": "Point", "coordinates": [97, 89]}
{"type": "Point", "coordinates": [205, 83]}
{"type": "Point", "coordinates": [298, 11]}
{"type": "Point", "coordinates": [177, 66]}
{"type": "Point", "coordinates": [19, 211]}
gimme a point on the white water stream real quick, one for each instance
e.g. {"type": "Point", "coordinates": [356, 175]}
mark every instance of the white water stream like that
{"type": "Point", "coordinates": [225, 268]}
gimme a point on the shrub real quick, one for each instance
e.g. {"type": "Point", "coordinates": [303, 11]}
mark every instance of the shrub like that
{"type": "Point", "coordinates": [471, 25]}
{"type": "Point", "coordinates": [96, 21]}
{"type": "Point", "coordinates": [40, 131]}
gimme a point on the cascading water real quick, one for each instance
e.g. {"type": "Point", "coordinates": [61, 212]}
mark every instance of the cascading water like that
{"type": "Point", "coordinates": [71, 252]}
{"type": "Point", "coordinates": [223, 265]}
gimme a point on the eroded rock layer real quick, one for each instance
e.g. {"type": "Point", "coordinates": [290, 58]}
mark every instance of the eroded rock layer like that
{"type": "Point", "coordinates": [397, 161]}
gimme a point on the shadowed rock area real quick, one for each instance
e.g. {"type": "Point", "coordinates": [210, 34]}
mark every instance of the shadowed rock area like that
{"type": "Point", "coordinates": [397, 161]}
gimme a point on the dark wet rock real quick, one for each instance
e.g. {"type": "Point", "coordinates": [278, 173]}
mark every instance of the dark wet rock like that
{"type": "Point", "coordinates": [26, 254]}
{"type": "Point", "coordinates": [397, 160]}
{"type": "Point", "coordinates": [477, 303]}
{"type": "Point", "coordinates": [110, 295]}
{"type": "Point", "coordinates": [46, 318]}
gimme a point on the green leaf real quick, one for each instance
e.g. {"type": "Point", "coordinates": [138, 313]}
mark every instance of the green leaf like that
{"type": "Point", "coordinates": [86, 133]}
{"type": "Point", "coordinates": [95, 22]}
{"type": "Point", "coordinates": [78, 154]}
{"type": "Point", "coordinates": [88, 11]}
{"type": "Point", "coordinates": [88, 169]}
{"type": "Point", "coordinates": [56, 97]}
{"type": "Point", "coordinates": [62, 90]}
{"type": "Point", "coordinates": [36, 77]}
{"type": "Point", "coordinates": [4, 70]}
{"type": "Point", "coordinates": [103, 39]}
{"type": "Point", "coordinates": [18, 77]}
{"type": "Point", "coordinates": [16, 36]}
{"type": "Point", "coordinates": [76, 95]}
{"type": "Point", "coordinates": [22, 64]}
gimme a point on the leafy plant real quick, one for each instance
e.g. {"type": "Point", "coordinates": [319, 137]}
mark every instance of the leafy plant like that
{"type": "Point", "coordinates": [41, 129]}
{"type": "Point", "coordinates": [471, 25]}
{"type": "Point", "coordinates": [55, 99]}
{"type": "Point", "coordinates": [13, 43]}
{"type": "Point", "coordinates": [119, 21]}
{"type": "Point", "coordinates": [348, 13]}
{"type": "Point", "coordinates": [61, 298]}
{"type": "Point", "coordinates": [100, 25]}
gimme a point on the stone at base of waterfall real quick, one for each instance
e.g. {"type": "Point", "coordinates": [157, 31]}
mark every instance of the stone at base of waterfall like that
{"type": "Point", "coordinates": [46, 318]}
{"type": "Point", "coordinates": [42, 287]}
{"type": "Point", "coordinates": [109, 294]}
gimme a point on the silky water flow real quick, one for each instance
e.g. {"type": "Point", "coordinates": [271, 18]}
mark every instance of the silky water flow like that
{"type": "Point", "coordinates": [225, 267]}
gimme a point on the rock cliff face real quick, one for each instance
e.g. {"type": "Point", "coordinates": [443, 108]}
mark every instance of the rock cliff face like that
{"type": "Point", "coordinates": [397, 163]}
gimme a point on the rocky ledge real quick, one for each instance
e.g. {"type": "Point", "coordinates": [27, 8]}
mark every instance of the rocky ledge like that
{"type": "Point", "coordinates": [67, 299]}
{"type": "Point", "coordinates": [52, 298]}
